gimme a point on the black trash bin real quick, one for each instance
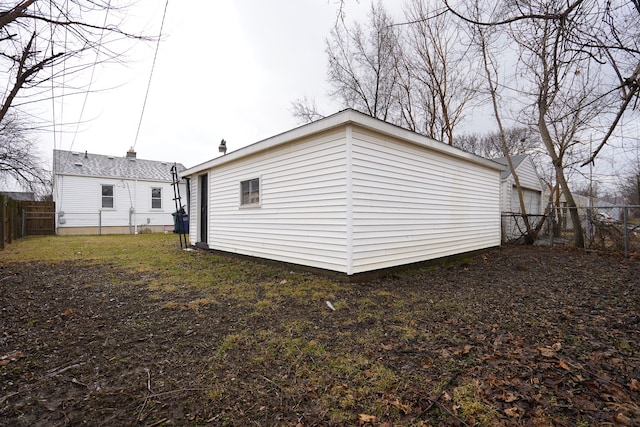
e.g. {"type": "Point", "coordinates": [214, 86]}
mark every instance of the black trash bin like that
{"type": "Point", "coordinates": [180, 221]}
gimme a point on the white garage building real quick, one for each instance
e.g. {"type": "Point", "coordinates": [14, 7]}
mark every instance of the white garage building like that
{"type": "Point", "coordinates": [347, 193]}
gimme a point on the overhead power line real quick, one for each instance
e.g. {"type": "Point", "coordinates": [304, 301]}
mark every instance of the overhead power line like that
{"type": "Point", "coordinates": [153, 65]}
{"type": "Point", "coordinates": [93, 70]}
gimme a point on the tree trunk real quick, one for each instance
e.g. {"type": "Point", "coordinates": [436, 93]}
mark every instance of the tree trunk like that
{"type": "Point", "coordinates": [562, 181]}
{"type": "Point", "coordinates": [530, 234]}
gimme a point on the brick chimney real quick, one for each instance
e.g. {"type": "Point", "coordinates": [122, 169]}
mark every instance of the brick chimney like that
{"type": "Point", "coordinates": [131, 154]}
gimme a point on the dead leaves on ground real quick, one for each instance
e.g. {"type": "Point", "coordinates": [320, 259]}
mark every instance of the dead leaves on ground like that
{"type": "Point", "coordinates": [512, 379]}
{"type": "Point", "coordinates": [11, 357]}
{"type": "Point", "coordinates": [514, 411]}
{"type": "Point", "coordinates": [529, 345]}
{"type": "Point", "coordinates": [550, 351]}
{"type": "Point", "coordinates": [366, 419]}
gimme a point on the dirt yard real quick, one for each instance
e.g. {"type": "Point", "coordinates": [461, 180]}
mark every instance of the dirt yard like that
{"type": "Point", "coordinates": [526, 336]}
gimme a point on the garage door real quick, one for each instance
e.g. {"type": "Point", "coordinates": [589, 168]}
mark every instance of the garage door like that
{"type": "Point", "coordinates": [532, 201]}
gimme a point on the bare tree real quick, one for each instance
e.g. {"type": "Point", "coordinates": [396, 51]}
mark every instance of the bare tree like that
{"type": "Point", "coordinates": [519, 139]}
{"type": "Point", "coordinates": [43, 40]}
{"type": "Point", "coordinates": [362, 70]}
{"type": "Point", "coordinates": [48, 44]}
{"type": "Point", "coordinates": [630, 190]}
{"type": "Point", "coordinates": [605, 33]}
{"type": "Point", "coordinates": [615, 42]}
{"type": "Point", "coordinates": [563, 88]}
{"type": "Point", "coordinates": [305, 110]}
{"type": "Point", "coordinates": [484, 39]}
{"type": "Point", "coordinates": [559, 70]}
{"type": "Point", "coordinates": [439, 79]}
{"type": "Point", "coordinates": [20, 163]}
{"type": "Point", "coordinates": [417, 76]}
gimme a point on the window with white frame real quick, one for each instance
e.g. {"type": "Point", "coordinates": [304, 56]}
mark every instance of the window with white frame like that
{"type": "Point", "coordinates": [250, 192]}
{"type": "Point", "coordinates": [156, 198]}
{"type": "Point", "coordinates": [107, 196]}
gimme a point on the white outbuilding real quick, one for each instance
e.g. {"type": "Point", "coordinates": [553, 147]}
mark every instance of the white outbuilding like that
{"type": "Point", "coordinates": [348, 193]}
{"type": "Point", "coordinates": [532, 192]}
{"type": "Point", "coordinates": [530, 182]}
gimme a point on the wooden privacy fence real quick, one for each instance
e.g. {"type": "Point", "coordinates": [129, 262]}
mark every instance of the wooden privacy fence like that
{"type": "Point", "coordinates": [38, 218]}
{"type": "Point", "coordinates": [25, 218]}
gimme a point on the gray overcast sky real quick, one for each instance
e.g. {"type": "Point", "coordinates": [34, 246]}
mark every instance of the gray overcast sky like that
{"type": "Point", "coordinates": [225, 69]}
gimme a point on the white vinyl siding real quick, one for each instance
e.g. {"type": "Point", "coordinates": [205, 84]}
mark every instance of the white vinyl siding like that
{"type": "Point", "coordinates": [532, 201]}
{"type": "Point", "coordinates": [532, 190]}
{"type": "Point", "coordinates": [412, 204]}
{"type": "Point", "coordinates": [80, 199]}
{"type": "Point", "coordinates": [528, 176]}
{"type": "Point", "coordinates": [194, 218]}
{"type": "Point", "coordinates": [302, 214]}
{"type": "Point", "coordinates": [352, 195]}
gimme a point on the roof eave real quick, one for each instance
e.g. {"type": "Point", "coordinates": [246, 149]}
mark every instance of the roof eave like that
{"type": "Point", "coordinates": [341, 118]}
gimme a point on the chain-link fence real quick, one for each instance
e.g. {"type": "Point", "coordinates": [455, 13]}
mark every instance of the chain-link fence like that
{"type": "Point", "coordinates": [514, 226]}
{"type": "Point", "coordinates": [610, 228]}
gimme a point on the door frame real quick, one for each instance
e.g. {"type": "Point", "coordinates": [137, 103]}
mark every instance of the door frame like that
{"type": "Point", "coordinates": [203, 208]}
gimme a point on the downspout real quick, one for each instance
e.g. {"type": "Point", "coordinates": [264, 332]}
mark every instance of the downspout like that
{"type": "Point", "coordinates": [57, 198]}
{"type": "Point", "coordinates": [131, 205]}
{"type": "Point", "coordinates": [135, 204]}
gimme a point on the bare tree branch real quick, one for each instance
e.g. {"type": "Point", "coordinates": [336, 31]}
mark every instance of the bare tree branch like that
{"type": "Point", "coordinates": [19, 162]}
{"type": "Point", "coordinates": [43, 47]}
{"type": "Point", "coordinates": [544, 16]}
{"type": "Point", "coordinates": [634, 86]}
{"type": "Point", "coordinates": [305, 110]}
{"type": "Point", "coordinates": [14, 13]}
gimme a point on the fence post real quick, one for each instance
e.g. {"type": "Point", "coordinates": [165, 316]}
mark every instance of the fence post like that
{"type": "Point", "coordinates": [99, 222]}
{"type": "Point", "coordinates": [626, 232]}
{"type": "Point", "coordinates": [3, 218]}
{"type": "Point", "coordinates": [11, 219]}
{"type": "Point", "coordinates": [551, 227]}
{"type": "Point", "coordinates": [24, 223]}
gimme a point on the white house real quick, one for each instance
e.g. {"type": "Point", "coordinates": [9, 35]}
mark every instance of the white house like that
{"type": "Point", "coordinates": [98, 194]}
{"type": "Point", "coordinates": [532, 191]}
{"type": "Point", "coordinates": [347, 193]}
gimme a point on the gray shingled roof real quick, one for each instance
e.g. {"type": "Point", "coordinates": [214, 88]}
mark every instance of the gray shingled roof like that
{"type": "Point", "coordinates": [98, 165]}
{"type": "Point", "coordinates": [517, 159]}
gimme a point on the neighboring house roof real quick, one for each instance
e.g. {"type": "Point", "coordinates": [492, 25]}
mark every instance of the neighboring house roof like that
{"type": "Point", "coordinates": [344, 117]}
{"type": "Point", "coordinates": [516, 160]}
{"type": "Point", "coordinates": [19, 195]}
{"type": "Point", "coordinates": [98, 165]}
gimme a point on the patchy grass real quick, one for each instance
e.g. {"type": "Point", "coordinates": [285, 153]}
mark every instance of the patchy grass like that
{"type": "Point", "coordinates": [132, 330]}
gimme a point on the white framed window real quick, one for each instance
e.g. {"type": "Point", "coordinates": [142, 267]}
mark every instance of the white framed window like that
{"type": "Point", "coordinates": [156, 198]}
{"type": "Point", "coordinates": [250, 192]}
{"type": "Point", "coordinates": [107, 196]}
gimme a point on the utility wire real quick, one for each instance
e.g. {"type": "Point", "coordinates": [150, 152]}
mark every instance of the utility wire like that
{"type": "Point", "coordinates": [53, 102]}
{"type": "Point", "coordinates": [93, 70]}
{"type": "Point", "coordinates": [64, 68]}
{"type": "Point", "coordinates": [144, 104]}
